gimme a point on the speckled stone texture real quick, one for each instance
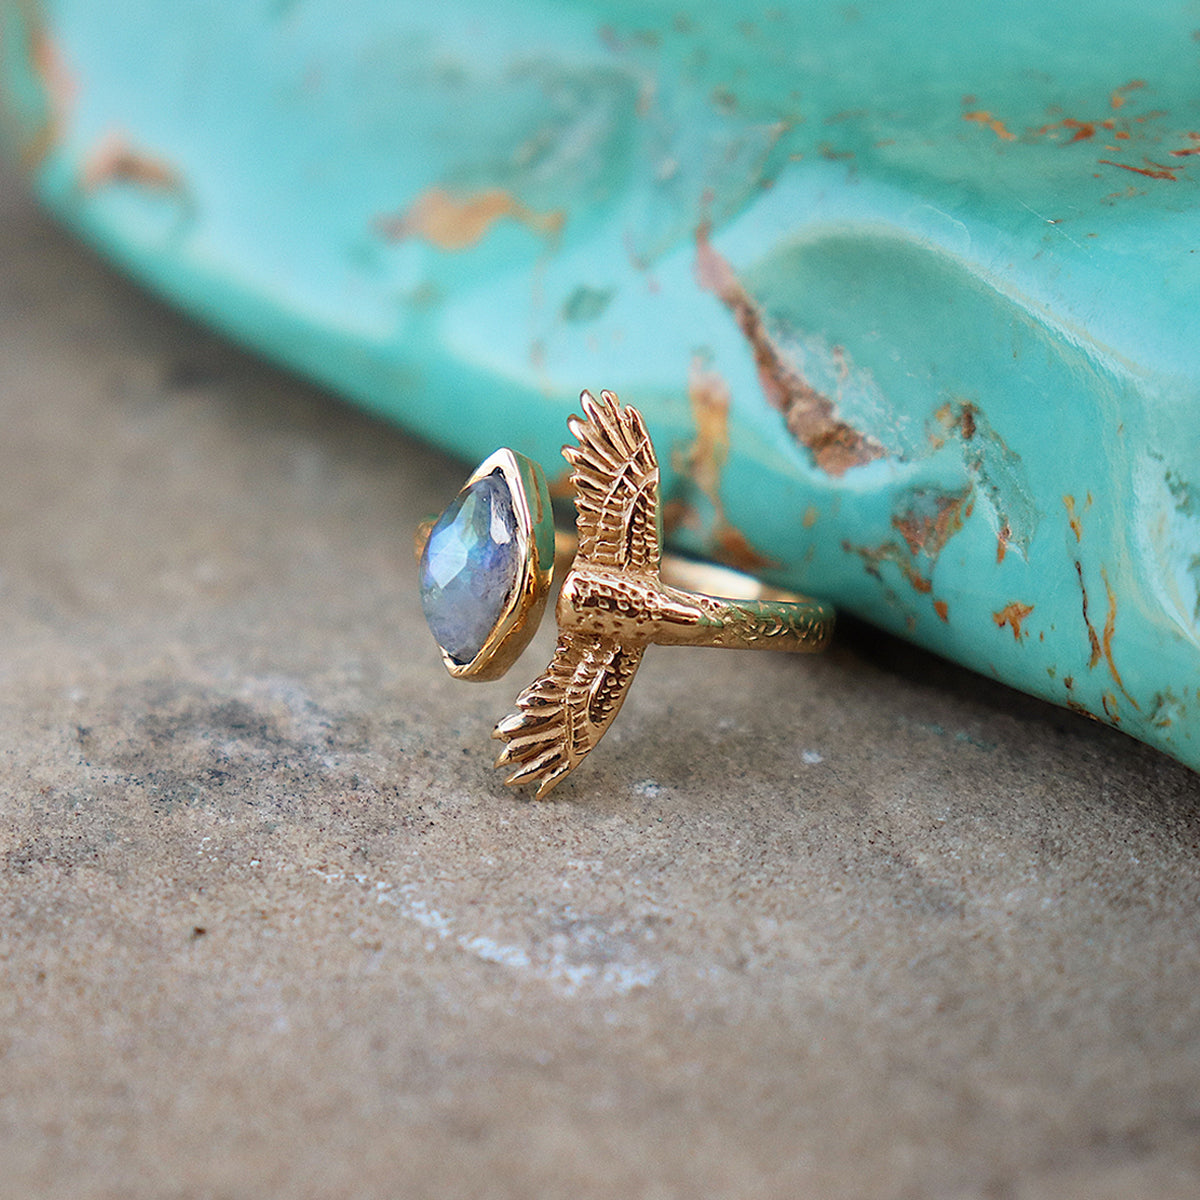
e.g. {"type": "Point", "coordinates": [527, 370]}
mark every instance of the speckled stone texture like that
{"type": "Point", "coordinates": [861, 925]}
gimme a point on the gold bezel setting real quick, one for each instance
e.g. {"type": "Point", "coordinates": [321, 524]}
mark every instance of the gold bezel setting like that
{"type": "Point", "coordinates": [522, 612]}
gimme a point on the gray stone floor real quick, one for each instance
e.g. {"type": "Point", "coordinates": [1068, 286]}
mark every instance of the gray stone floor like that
{"type": "Point", "coordinates": [855, 926]}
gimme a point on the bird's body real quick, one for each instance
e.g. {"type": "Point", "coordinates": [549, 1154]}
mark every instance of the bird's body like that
{"type": "Point", "coordinates": [634, 607]}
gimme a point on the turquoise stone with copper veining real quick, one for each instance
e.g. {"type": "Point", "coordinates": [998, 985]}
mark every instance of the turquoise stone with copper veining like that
{"type": "Point", "coordinates": [470, 566]}
{"type": "Point", "coordinates": [905, 290]}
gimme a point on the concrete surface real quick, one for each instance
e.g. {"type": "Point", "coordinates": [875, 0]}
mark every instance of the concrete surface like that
{"type": "Point", "coordinates": [854, 926]}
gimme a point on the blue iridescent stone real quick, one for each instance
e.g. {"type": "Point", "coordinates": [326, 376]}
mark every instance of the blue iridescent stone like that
{"type": "Point", "coordinates": [470, 567]}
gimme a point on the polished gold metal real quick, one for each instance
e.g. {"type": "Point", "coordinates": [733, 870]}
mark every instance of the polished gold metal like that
{"type": "Point", "coordinates": [614, 603]}
{"type": "Point", "coordinates": [620, 594]}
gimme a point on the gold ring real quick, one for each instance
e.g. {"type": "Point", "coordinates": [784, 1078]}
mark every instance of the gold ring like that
{"type": "Point", "coordinates": [486, 569]}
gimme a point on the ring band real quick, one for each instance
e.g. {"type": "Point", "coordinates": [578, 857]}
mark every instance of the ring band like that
{"type": "Point", "coordinates": [486, 569]}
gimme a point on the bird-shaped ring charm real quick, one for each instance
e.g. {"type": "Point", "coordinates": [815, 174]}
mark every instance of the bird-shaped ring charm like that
{"type": "Point", "coordinates": [486, 568]}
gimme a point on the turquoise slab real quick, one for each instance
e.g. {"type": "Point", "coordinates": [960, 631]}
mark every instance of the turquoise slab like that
{"type": "Point", "coordinates": [909, 292]}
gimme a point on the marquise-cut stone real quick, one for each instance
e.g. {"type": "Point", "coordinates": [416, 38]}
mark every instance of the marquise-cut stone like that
{"type": "Point", "coordinates": [470, 566]}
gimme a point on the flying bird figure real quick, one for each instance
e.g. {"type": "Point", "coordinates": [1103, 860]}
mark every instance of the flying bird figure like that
{"type": "Point", "coordinates": [613, 603]}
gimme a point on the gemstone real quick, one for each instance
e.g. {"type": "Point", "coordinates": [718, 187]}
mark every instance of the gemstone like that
{"type": "Point", "coordinates": [470, 567]}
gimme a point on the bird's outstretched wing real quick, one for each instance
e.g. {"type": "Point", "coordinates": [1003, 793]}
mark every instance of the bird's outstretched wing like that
{"type": "Point", "coordinates": [616, 486]}
{"type": "Point", "coordinates": [565, 711]}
